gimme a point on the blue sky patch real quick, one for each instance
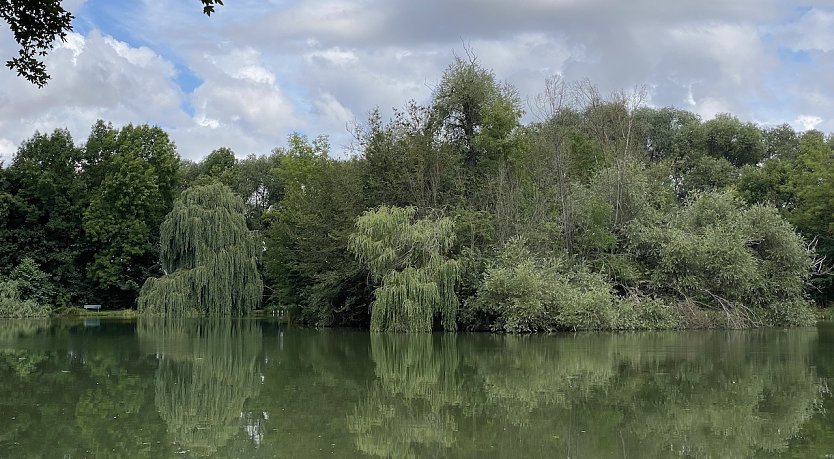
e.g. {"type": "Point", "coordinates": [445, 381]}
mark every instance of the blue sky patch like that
{"type": "Point", "coordinates": [795, 57]}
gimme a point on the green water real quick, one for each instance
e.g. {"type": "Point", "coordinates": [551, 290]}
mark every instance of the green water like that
{"type": "Point", "coordinates": [258, 389]}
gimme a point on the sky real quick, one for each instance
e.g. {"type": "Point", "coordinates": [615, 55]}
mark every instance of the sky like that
{"type": "Point", "coordinates": [258, 70]}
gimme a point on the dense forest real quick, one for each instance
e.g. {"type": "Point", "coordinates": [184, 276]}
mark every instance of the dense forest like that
{"type": "Point", "coordinates": [602, 213]}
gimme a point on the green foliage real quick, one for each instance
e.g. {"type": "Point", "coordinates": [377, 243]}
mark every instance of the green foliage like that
{"type": "Point", "coordinates": [308, 265]}
{"type": "Point", "coordinates": [601, 209]}
{"type": "Point", "coordinates": [42, 201]}
{"type": "Point", "coordinates": [726, 137]}
{"type": "Point", "coordinates": [404, 162]}
{"type": "Point", "coordinates": [527, 294]}
{"type": "Point", "coordinates": [117, 220]}
{"type": "Point", "coordinates": [32, 283]}
{"type": "Point", "coordinates": [409, 257]}
{"type": "Point", "coordinates": [36, 26]}
{"type": "Point", "coordinates": [719, 255]}
{"type": "Point", "coordinates": [769, 183]}
{"type": "Point", "coordinates": [782, 142]}
{"type": "Point", "coordinates": [14, 307]}
{"type": "Point", "coordinates": [798, 182]}
{"type": "Point", "coordinates": [476, 111]}
{"type": "Point", "coordinates": [592, 215]}
{"type": "Point", "coordinates": [132, 174]}
{"type": "Point", "coordinates": [666, 133]}
{"type": "Point", "coordinates": [218, 162]}
{"type": "Point", "coordinates": [210, 257]}
{"type": "Point", "coordinates": [812, 184]}
{"type": "Point", "coordinates": [626, 213]}
{"type": "Point", "coordinates": [642, 312]}
{"type": "Point", "coordinates": [256, 181]}
{"type": "Point", "coordinates": [709, 174]}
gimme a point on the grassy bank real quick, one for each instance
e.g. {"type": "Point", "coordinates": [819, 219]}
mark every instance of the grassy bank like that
{"type": "Point", "coordinates": [81, 312]}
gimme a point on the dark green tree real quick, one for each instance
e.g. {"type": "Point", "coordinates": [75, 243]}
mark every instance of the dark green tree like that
{"type": "Point", "coordinates": [257, 182]}
{"type": "Point", "coordinates": [43, 202]}
{"type": "Point", "coordinates": [666, 133]}
{"type": "Point", "coordinates": [308, 265]}
{"type": "Point", "coordinates": [726, 137]}
{"type": "Point", "coordinates": [118, 222]}
{"type": "Point", "coordinates": [797, 180]}
{"type": "Point", "coordinates": [132, 175]}
{"type": "Point", "coordinates": [218, 162]}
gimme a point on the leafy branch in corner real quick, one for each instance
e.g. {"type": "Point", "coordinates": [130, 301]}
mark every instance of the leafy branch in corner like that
{"type": "Point", "coordinates": [36, 24]}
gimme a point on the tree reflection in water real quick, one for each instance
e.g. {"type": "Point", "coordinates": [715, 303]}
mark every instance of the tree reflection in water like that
{"type": "Point", "coordinates": [70, 391]}
{"type": "Point", "coordinates": [702, 394]}
{"type": "Point", "coordinates": [207, 370]}
{"type": "Point", "coordinates": [407, 410]}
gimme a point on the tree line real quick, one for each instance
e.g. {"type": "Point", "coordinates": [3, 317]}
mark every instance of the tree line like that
{"type": "Point", "coordinates": [602, 213]}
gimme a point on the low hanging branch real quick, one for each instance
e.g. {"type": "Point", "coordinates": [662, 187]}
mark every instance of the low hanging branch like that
{"type": "Point", "coordinates": [410, 258]}
{"type": "Point", "coordinates": [210, 257]}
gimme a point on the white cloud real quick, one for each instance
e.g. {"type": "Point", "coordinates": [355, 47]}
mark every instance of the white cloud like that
{"type": "Point", "coordinates": [93, 77]}
{"type": "Point", "coordinates": [814, 31]}
{"type": "Point", "coordinates": [239, 92]}
{"type": "Point", "coordinates": [7, 150]}
{"type": "Point", "coordinates": [806, 122]}
{"type": "Point", "coordinates": [336, 56]}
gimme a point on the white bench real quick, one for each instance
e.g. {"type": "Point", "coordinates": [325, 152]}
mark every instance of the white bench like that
{"type": "Point", "coordinates": [92, 307]}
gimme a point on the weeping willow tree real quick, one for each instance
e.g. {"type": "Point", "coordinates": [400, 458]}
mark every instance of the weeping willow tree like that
{"type": "Point", "coordinates": [207, 370]}
{"type": "Point", "coordinates": [409, 257]}
{"type": "Point", "coordinates": [210, 258]}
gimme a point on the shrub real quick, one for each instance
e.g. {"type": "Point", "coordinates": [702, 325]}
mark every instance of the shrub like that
{"type": "Point", "coordinates": [714, 253]}
{"type": "Point", "coordinates": [528, 294]}
{"type": "Point", "coordinates": [32, 283]}
{"type": "Point", "coordinates": [642, 312]}
{"type": "Point", "coordinates": [13, 307]}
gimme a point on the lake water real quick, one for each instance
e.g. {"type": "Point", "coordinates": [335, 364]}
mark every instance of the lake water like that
{"type": "Point", "coordinates": [255, 388]}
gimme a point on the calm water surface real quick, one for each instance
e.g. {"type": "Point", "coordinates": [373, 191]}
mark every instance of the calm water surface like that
{"type": "Point", "coordinates": [254, 388]}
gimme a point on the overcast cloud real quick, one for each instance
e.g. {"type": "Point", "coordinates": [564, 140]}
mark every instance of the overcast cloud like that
{"type": "Point", "coordinates": [258, 70]}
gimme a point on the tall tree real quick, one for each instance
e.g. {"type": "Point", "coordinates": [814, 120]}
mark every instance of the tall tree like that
{"type": "Point", "coordinates": [308, 265]}
{"type": "Point", "coordinates": [739, 143]}
{"type": "Point", "coordinates": [43, 201]}
{"type": "Point", "coordinates": [132, 175]}
{"type": "Point", "coordinates": [209, 257]}
{"type": "Point", "coordinates": [256, 181]}
{"type": "Point", "coordinates": [469, 97]}
{"type": "Point", "coordinates": [218, 162]}
{"type": "Point", "coordinates": [665, 133]}
{"type": "Point", "coordinates": [118, 221]}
